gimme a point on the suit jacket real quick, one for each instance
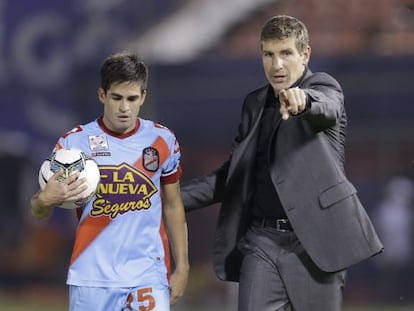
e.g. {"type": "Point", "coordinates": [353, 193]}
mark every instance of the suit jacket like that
{"type": "Point", "coordinates": [306, 163]}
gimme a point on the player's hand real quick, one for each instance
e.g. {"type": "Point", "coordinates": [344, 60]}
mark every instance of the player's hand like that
{"type": "Point", "coordinates": [292, 101]}
{"type": "Point", "coordinates": [56, 192]}
{"type": "Point", "coordinates": [178, 283]}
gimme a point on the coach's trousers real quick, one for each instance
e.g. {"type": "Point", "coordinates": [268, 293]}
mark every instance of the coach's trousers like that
{"type": "Point", "coordinates": [277, 274]}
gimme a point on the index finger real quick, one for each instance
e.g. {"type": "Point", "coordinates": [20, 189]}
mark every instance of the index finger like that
{"type": "Point", "coordinates": [72, 178]}
{"type": "Point", "coordinates": [283, 95]}
{"type": "Point", "coordinates": [283, 101]}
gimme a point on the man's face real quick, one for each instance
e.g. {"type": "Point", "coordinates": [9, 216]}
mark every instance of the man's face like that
{"type": "Point", "coordinates": [122, 103]}
{"type": "Point", "coordinates": [282, 62]}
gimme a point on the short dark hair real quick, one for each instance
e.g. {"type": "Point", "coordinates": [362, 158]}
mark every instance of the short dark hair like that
{"type": "Point", "coordinates": [123, 67]}
{"type": "Point", "coordinates": [284, 26]}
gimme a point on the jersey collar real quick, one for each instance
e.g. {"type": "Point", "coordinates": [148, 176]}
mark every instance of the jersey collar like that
{"type": "Point", "coordinates": [118, 135]}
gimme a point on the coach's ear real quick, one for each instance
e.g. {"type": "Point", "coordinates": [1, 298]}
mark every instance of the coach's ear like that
{"type": "Point", "coordinates": [101, 95]}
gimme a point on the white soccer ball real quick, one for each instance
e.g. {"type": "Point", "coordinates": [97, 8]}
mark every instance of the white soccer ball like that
{"type": "Point", "coordinates": [71, 161]}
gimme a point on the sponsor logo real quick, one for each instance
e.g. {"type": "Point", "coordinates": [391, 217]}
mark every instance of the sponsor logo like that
{"type": "Point", "coordinates": [122, 189]}
{"type": "Point", "coordinates": [101, 154]}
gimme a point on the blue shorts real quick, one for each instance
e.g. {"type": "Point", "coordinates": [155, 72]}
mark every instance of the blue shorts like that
{"type": "Point", "coordinates": [142, 298]}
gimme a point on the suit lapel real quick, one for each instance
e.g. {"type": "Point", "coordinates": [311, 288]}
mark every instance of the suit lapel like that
{"type": "Point", "coordinates": [243, 151]}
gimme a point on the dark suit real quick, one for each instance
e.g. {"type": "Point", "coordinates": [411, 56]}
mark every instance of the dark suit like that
{"type": "Point", "coordinates": [307, 170]}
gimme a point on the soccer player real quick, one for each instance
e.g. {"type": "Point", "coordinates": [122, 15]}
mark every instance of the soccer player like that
{"type": "Point", "coordinates": [290, 223]}
{"type": "Point", "coordinates": [120, 258]}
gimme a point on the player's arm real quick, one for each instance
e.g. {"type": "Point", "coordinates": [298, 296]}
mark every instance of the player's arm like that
{"type": "Point", "coordinates": [175, 222]}
{"type": "Point", "coordinates": [56, 192]}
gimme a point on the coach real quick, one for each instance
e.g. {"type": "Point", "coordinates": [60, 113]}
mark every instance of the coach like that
{"type": "Point", "coordinates": [290, 223]}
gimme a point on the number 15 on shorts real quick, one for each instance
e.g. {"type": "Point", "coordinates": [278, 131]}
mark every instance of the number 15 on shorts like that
{"type": "Point", "coordinates": [148, 299]}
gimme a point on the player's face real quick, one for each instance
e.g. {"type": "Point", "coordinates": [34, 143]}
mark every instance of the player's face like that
{"type": "Point", "coordinates": [122, 103]}
{"type": "Point", "coordinates": [283, 64]}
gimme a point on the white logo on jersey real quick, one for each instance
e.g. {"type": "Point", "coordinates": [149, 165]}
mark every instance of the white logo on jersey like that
{"type": "Point", "coordinates": [98, 142]}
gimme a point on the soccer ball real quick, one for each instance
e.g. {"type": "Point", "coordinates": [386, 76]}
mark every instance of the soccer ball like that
{"type": "Point", "coordinates": [71, 161]}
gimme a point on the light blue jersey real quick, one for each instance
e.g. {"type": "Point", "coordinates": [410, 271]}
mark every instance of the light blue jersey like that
{"type": "Point", "coordinates": [119, 240]}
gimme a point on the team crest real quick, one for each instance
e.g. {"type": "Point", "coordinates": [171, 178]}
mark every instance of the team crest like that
{"type": "Point", "coordinates": [150, 159]}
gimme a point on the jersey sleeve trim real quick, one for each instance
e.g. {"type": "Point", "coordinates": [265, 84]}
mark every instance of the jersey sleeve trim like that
{"type": "Point", "coordinates": [173, 178]}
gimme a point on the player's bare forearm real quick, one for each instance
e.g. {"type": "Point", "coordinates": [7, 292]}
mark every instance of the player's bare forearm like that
{"type": "Point", "coordinates": [174, 216]}
{"type": "Point", "coordinates": [39, 207]}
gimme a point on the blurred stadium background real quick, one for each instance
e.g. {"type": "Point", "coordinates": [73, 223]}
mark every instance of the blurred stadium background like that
{"type": "Point", "coordinates": [204, 58]}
